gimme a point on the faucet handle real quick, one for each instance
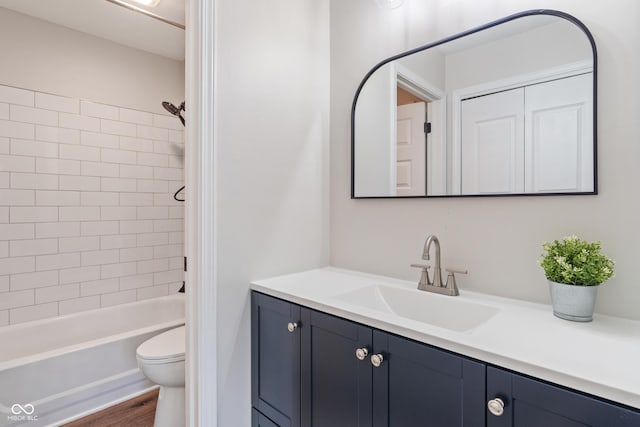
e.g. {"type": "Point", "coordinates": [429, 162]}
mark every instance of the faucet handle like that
{"type": "Point", "coordinates": [424, 277]}
{"type": "Point", "coordinates": [451, 284]}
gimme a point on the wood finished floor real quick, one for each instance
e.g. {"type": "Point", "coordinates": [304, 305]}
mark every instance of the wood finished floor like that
{"type": "Point", "coordinates": [137, 412]}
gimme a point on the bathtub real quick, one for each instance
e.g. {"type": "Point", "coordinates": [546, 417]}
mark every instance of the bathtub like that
{"type": "Point", "coordinates": [56, 370]}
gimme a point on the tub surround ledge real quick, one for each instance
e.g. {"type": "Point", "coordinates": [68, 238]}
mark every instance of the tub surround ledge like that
{"type": "Point", "coordinates": [599, 358]}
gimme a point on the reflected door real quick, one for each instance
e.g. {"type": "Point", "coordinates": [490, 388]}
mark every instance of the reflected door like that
{"type": "Point", "coordinates": [533, 139]}
{"type": "Point", "coordinates": [559, 135]}
{"type": "Point", "coordinates": [492, 143]}
{"type": "Point", "coordinates": [411, 161]}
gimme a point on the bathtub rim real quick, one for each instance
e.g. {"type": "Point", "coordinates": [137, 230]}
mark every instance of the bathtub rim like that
{"type": "Point", "coordinates": [32, 358]}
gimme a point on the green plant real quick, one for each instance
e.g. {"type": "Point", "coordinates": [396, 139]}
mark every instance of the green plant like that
{"type": "Point", "coordinates": [576, 262]}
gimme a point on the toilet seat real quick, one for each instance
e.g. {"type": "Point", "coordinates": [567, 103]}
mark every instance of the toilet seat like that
{"type": "Point", "coordinates": [168, 347]}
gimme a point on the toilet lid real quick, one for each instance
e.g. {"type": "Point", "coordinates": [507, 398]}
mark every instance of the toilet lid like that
{"type": "Point", "coordinates": [167, 345]}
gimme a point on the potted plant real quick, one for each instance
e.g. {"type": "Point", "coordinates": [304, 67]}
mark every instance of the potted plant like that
{"type": "Point", "coordinates": [574, 269]}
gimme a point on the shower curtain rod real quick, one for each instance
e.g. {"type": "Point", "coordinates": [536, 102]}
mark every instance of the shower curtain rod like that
{"type": "Point", "coordinates": [146, 12]}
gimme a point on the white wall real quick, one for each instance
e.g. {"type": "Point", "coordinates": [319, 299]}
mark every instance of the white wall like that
{"type": "Point", "coordinates": [429, 65]}
{"type": "Point", "coordinates": [50, 58]}
{"type": "Point", "coordinates": [375, 168]}
{"type": "Point", "coordinates": [497, 239]}
{"type": "Point", "coordinates": [272, 90]}
{"type": "Point", "coordinates": [375, 141]}
{"type": "Point", "coordinates": [535, 50]}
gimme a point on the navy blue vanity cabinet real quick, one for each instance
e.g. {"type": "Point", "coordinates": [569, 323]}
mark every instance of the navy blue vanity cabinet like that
{"type": "Point", "coordinates": [336, 384]}
{"type": "Point", "coordinates": [418, 385]}
{"type": "Point", "coordinates": [275, 361]}
{"type": "Point", "coordinates": [531, 403]}
{"type": "Point", "coordinates": [311, 369]}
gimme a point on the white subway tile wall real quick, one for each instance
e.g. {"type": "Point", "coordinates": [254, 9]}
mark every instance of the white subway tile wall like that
{"type": "Point", "coordinates": [87, 217]}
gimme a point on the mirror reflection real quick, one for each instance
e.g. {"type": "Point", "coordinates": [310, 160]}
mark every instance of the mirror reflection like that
{"type": "Point", "coordinates": [505, 110]}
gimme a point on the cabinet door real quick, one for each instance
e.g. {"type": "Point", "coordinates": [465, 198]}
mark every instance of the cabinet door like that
{"type": "Point", "coordinates": [259, 420]}
{"type": "Point", "coordinates": [336, 385]}
{"type": "Point", "coordinates": [418, 385]}
{"type": "Point", "coordinates": [275, 360]}
{"type": "Point", "coordinates": [531, 403]}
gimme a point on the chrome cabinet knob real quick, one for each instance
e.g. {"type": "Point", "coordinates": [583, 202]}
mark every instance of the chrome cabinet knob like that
{"type": "Point", "coordinates": [376, 360]}
{"type": "Point", "coordinates": [361, 353]}
{"type": "Point", "coordinates": [292, 326]}
{"type": "Point", "coordinates": [496, 406]}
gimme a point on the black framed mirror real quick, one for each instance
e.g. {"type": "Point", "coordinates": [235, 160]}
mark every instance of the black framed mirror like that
{"type": "Point", "coordinates": [504, 109]}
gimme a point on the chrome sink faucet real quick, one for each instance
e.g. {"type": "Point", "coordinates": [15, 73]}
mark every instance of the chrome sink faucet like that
{"type": "Point", "coordinates": [435, 285]}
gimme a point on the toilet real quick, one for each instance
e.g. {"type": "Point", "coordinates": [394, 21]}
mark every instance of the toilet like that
{"type": "Point", "coordinates": [161, 359]}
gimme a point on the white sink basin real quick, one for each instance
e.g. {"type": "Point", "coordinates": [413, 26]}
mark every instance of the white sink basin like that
{"type": "Point", "coordinates": [433, 309]}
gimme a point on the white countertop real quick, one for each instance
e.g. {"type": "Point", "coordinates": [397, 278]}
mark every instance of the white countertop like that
{"type": "Point", "coordinates": [601, 357]}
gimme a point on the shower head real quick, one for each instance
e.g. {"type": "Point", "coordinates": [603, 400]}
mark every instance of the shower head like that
{"type": "Point", "coordinates": [172, 108]}
{"type": "Point", "coordinates": [176, 111]}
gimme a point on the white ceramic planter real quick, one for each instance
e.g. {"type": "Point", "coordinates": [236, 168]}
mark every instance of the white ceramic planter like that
{"type": "Point", "coordinates": [571, 302]}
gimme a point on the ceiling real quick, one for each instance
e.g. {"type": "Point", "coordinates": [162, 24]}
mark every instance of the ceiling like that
{"type": "Point", "coordinates": [112, 22]}
{"type": "Point", "coordinates": [499, 32]}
